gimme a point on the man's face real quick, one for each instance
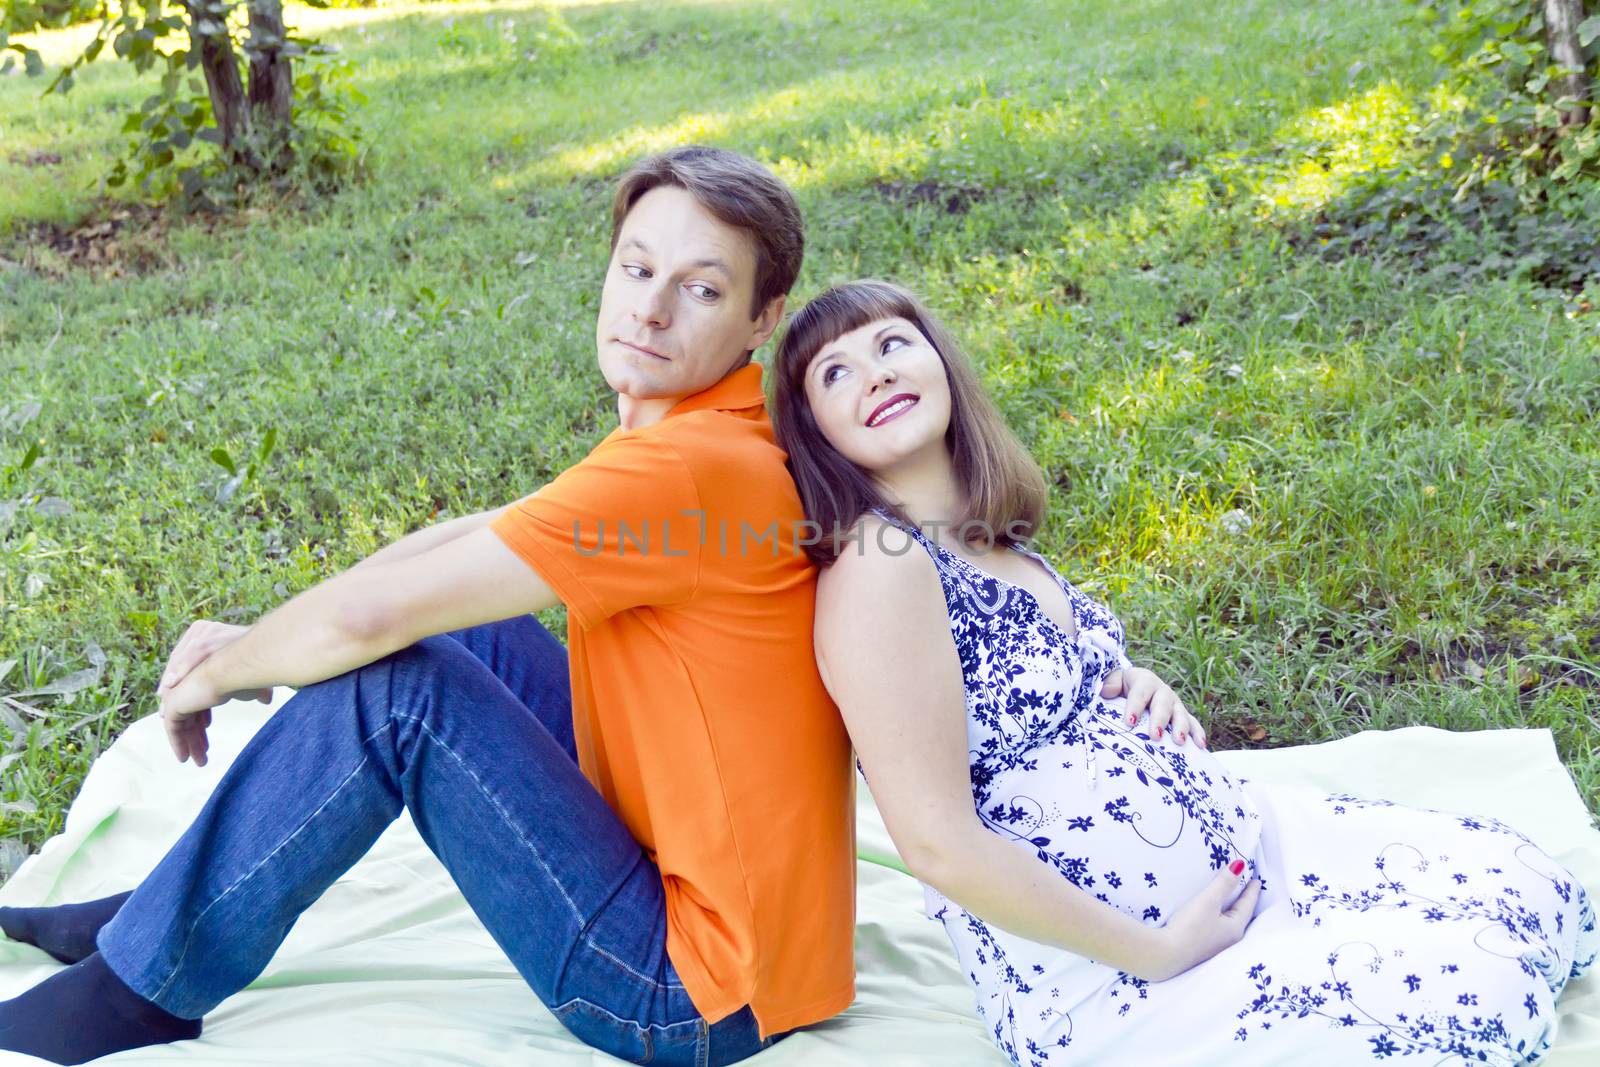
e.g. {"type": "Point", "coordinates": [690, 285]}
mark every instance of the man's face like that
{"type": "Point", "coordinates": [675, 309]}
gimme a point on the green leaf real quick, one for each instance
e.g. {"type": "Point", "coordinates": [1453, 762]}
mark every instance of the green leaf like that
{"type": "Point", "coordinates": [1588, 30]}
{"type": "Point", "coordinates": [268, 443]}
{"type": "Point", "coordinates": [220, 457]}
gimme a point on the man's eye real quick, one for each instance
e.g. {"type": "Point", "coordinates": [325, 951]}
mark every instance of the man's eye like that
{"type": "Point", "coordinates": [704, 292]}
{"type": "Point", "coordinates": [633, 270]}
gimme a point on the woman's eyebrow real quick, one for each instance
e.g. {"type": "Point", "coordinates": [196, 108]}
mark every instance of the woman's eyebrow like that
{"type": "Point", "coordinates": [822, 357]}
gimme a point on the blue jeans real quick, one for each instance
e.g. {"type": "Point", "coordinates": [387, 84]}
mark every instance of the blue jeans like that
{"type": "Point", "coordinates": [472, 733]}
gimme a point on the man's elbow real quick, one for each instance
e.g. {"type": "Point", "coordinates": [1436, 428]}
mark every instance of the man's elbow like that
{"type": "Point", "coordinates": [360, 622]}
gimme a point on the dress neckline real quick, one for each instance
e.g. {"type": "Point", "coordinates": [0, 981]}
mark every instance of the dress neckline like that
{"type": "Point", "coordinates": [1072, 606]}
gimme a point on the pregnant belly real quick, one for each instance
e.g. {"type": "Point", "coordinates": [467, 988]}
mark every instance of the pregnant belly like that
{"type": "Point", "coordinates": [1142, 824]}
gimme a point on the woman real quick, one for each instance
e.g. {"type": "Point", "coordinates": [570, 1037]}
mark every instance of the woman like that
{"type": "Point", "coordinates": [1093, 865]}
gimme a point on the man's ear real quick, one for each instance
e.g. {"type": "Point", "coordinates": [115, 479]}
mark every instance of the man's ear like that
{"type": "Point", "coordinates": [766, 322]}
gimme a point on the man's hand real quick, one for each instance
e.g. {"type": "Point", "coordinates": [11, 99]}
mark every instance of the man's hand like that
{"type": "Point", "coordinates": [1145, 690]}
{"type": "Point", "coordinates": [1203, 927]}
{"type": "Point", "coordinates": [187, 698]}
{"type": "Point", "coordinates": [202, 638]}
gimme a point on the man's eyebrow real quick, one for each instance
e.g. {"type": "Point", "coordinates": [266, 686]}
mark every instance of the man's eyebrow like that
{"type": "Point", "coordinates": [713, 264]}
{"type": "Point", "coordinates": [704, 263]}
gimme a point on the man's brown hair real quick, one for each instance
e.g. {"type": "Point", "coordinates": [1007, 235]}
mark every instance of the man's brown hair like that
{"type": "Point", "coordinates": [1004, 491]}
{"type": "Point", "coordinates": [737, 190]}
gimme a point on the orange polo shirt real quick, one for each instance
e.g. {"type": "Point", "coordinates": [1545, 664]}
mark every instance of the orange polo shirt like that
{"type": "Point", "coordinates": [697, 708]}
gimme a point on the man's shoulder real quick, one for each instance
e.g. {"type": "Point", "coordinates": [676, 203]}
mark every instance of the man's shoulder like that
{"type": "Point", "coordinates": [721, 444]}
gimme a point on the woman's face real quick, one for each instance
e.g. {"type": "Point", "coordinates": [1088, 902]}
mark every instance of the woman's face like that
{"type": "Point", "coordinates": [880, 394]}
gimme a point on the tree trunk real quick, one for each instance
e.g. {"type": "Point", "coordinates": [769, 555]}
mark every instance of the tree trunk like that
{"type": "Point", "coordinates": [271, 71]}
{"type": "Point", "coordinates": [209, 37]}
{"type": "Point", "coordinates": [1561, 18]}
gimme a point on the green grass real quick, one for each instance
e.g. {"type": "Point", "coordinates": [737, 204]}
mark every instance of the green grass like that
{"type": "Point", "coordinates": [1323, 496]}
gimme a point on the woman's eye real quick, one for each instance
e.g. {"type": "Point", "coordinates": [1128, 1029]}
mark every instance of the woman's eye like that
{"type": "Point", "coordinates": [827, 375]}
{"type": "Point", "coordinates": [894, 340]}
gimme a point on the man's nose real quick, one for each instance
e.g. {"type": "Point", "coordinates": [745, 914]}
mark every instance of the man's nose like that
{"type": "Point", "coordinates": [654, 308]}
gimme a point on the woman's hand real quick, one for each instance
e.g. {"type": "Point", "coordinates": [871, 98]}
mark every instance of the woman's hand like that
{"type": "Point", "coordinates": [1203, 927]}
{"type": "Point", "coordinates": [1145, 690]}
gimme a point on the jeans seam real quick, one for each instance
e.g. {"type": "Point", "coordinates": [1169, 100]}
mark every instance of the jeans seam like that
{"type": "Point", "coordinates": [642, 977]}
{"type": "Point", "coordinates": [189, 941]}
{"type": "Point", "coordinates": [505, 817]}
{"type": "Point", "coordinates": [663, 1027]}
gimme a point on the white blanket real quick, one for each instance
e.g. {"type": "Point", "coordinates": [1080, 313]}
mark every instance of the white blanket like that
{"type": "Point", "coordinates": [390, 967]}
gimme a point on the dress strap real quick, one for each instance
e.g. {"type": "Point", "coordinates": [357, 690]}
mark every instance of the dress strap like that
{"type": "Point", "coordinates": [921, 537]}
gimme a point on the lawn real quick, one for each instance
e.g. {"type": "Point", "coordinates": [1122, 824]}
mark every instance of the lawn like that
{"type": "Point", "coordinates": [1325, 494]}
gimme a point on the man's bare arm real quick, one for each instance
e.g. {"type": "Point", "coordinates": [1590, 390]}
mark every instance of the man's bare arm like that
{"type": "Point", "coordinates": [355, 618]}
{"type": "Point", "coordinates": [429, 537]}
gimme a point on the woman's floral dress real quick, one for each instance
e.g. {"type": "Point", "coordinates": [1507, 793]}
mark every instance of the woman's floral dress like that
{"type": "Point", "coordinates": [1382, 931]}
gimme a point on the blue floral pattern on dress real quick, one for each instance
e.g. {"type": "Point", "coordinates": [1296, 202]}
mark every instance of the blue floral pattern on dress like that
{"type": "Point", "coordinates": [1142, 824]}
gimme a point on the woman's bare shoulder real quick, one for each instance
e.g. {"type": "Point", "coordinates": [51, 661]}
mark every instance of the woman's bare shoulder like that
{"type": "Point", "coordinates": [882, 568]}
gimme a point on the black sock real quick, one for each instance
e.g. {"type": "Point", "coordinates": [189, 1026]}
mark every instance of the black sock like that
{"type": "Point", "coordinates": [66, 931]}
{"type": "Point", "coordinates": [85, 1012]}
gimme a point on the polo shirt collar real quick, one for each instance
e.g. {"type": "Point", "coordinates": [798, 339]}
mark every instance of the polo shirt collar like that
{"type": "Point", "coordinates": [741, 389]}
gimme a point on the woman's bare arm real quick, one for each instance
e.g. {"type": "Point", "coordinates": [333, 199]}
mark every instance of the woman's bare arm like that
{"type": "Point", "coordinates": [886, 655]}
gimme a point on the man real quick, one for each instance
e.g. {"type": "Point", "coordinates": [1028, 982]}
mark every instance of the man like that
{"type": "Point", "coordinates": [656, 825]}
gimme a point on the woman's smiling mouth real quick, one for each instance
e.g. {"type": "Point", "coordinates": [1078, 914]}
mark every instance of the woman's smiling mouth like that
{"type": "Point", "coordinates": [892, 408]}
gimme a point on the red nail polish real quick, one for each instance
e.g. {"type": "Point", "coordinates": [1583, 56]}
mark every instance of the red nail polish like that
{"type": "Point", "coordinates": [1235, 867]}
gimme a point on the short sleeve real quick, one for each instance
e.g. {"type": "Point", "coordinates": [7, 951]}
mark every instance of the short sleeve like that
{"type": "Point", "coordinates": [622, 528]}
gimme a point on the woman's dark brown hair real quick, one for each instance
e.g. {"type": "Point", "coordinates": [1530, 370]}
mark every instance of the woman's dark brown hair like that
{"type": "Point", "coordinates": [1003, 487]}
